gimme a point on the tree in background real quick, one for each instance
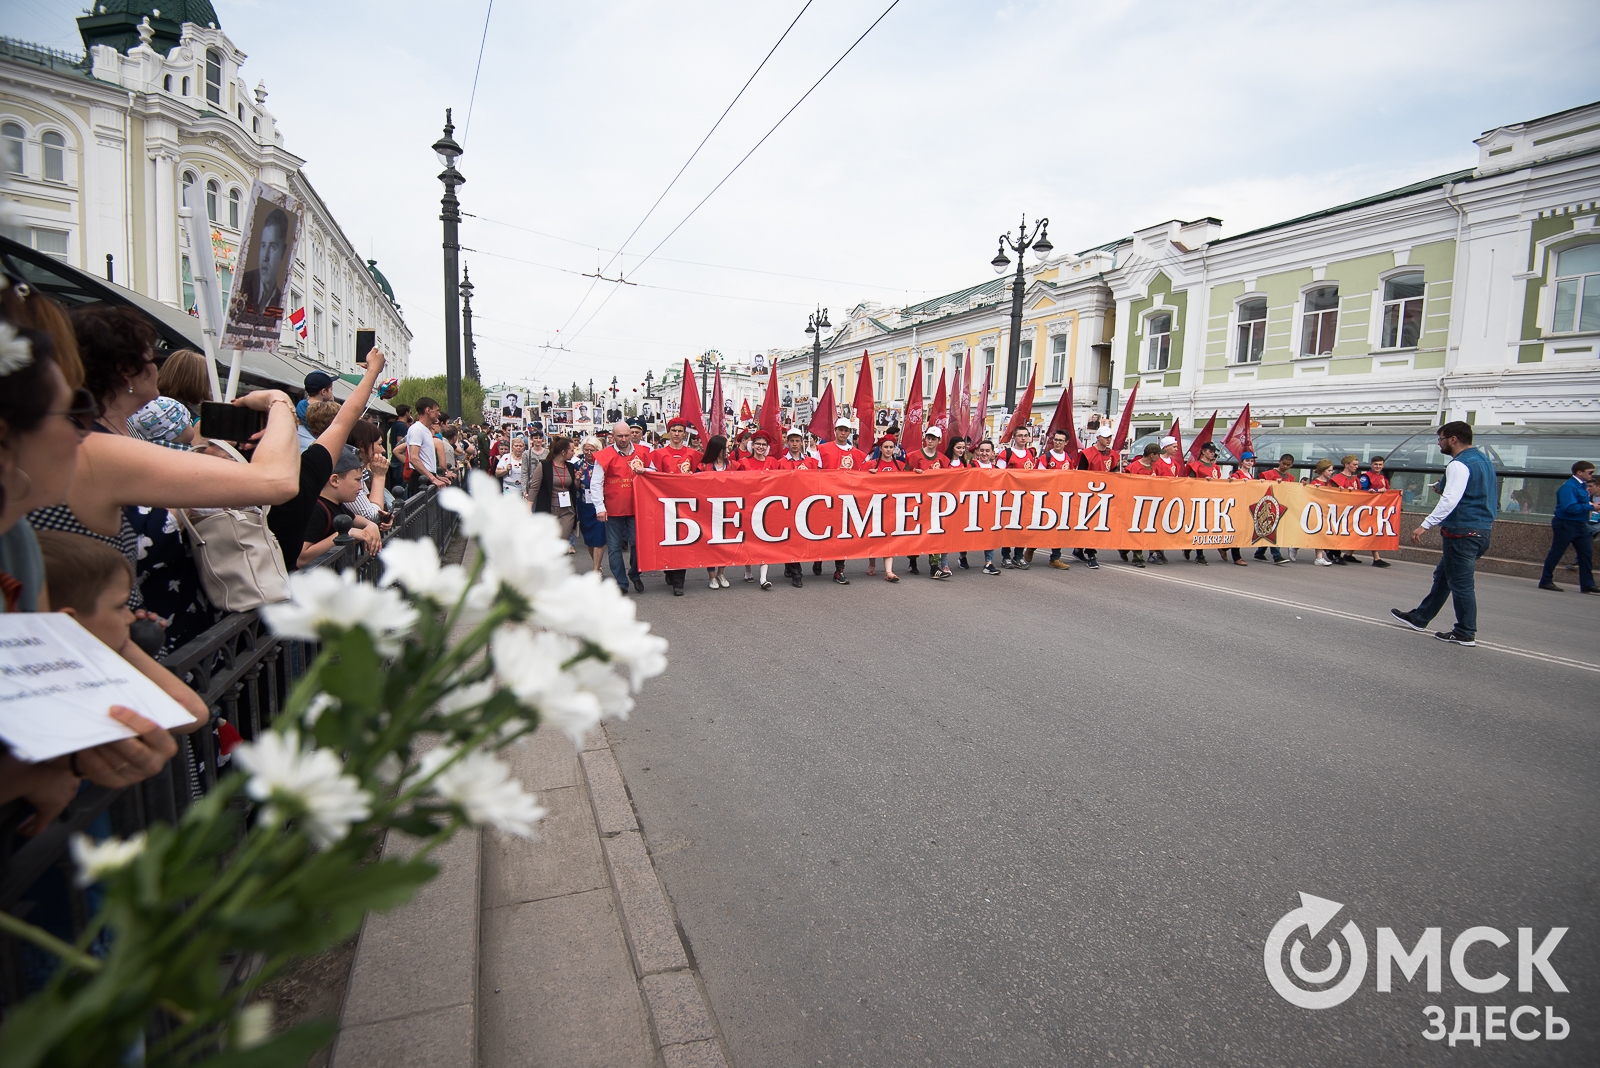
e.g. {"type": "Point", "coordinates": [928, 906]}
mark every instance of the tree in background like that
{"type": "Point", "coordinates": [472, 396]}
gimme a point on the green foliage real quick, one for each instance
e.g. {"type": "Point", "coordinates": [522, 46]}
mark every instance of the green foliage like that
{"type": "Point", "coordinates": [472, 395]}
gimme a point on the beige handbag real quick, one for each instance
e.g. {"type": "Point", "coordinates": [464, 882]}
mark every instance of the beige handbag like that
{"type": "Point", "coordinates": [237, 556]}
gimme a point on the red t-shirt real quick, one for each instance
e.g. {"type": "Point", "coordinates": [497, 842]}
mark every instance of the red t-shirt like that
{"type": "Point", "coordinates": [676, 461]}
{"type": "Point", "coordinates": [750, 463]}
{"type": "Point", "coordinates": [840, 457]}
{"type": "Point", "coordinates": [1377, 480]}
{"type": "Point", "coordinates": [1095, 460]}
{"type": "Point", "coordinates": [1139, 467]}
{"type": "Point", "coordinates": [789, 463]}
{"type": "Point", "coordinates": [1023, 460]}
{"type": "Point", "coordinates": [1346, 482]}
{"type": "Point", "coordinates": [1200, 470]}
{"type": "Point", "coordinates": [886, 465]}
{"type": "Point", "coordinates": [1240, 475]}
{"type": "Point", "coordinates": [1167, 467]}
{"type": "Point", "coordinates": [918, 461]}
{"type": "Point", "coordinates": [1275, 475]}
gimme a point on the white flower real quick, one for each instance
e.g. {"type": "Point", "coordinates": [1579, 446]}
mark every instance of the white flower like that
{"type": "Point", "coordinates": [319, 704]}
{"type": "Point", "coordinates": [15, 352]}
{"type": "Point", "coordinates": [415, 565]}
{"type": "Point", "coordinates": [611, 691]}
{"type": "Point", "coordinates": [585, 606]}
{"type": "Point", "coordinates": [530, 664]}
{"type": "Point", "coordinates": [253, 1025]}
{"type": "Point", "coordinates": [465, 697]}
{"type": "Point", "coordinates": [311, 780]}
{"type": "Point", "coordinates": [388, 769]}
{"type": "Point", "coordinates": [484, 789]}
{"type": "Point", "coordinates": [522, 550]}
{"type": "Point", "coordinates": [96, 860]}
{"type": "Point", "coordinates": [324, 598]}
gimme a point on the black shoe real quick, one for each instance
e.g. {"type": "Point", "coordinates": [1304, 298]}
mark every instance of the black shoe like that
{"type": "Point", "coordinates": [1005, 562]}
{"type": "Point", "coordinates": [795, 580]}
{"type": "Point", "coordinates": [1094, 564]}
{"type": "Point", "coordinates": [1077, 554]}
{"type": "Point", "coordinates": [1124, 554]}
{"type": "Point", "coordinates": [1139, 564]}
{"type": "Point", "coordinates": [1455, 637]}
{"type": "Point", "coordinates": [1201, 559]}
{"type": "Point", "coordinates": [766, 585]}
{"type": "Point", "coordinates": [1407, 619]}
{"type": "Point", "coordinates": [838, 576]}
{"type": "Point", "coordinates": [990, 569]}
{"type": "Point", "coordinates": [816, 569]}
{"type": "Point", "coordinates": [1591, 589]}
{"type": "Point", "coordinates": [1261, 554]}
{"type": "Point", "coordinates": [962, 563]}
{"type": "Point", "coordinates": [1021, 565]}
{"type": "Point", "coordinates": [1340, 560]}
{"type": "Point", "coordinates": [1551, 586]}
{"type": "Point", "coordinates": [1380, 563]}
{"type": "Point", "coordinates": [638, 584]}
{"type": "Point", "coordinates": [914, 570]}
{"type": "Point", "coordinates": [677, 591]}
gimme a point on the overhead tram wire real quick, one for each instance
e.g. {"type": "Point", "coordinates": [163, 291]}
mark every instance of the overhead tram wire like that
{"type": "Point", "coordinates": [476, 71]}
{"type": "Point", "coordinates": [892, 5]}
{"type": "Point", "coordinates": [641, 285]}
{"type": "Point", "coordinates": [685, 166]}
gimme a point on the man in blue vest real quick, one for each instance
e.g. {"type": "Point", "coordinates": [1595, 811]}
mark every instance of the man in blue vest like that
{"type": "Point", "coordinates": [1464, 516]}
{"type": "Point", "coordinates": [1570, 526]}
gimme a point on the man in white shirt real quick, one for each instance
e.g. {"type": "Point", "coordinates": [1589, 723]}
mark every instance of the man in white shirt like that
{"type": "Point", "coordinates": [419, 446]}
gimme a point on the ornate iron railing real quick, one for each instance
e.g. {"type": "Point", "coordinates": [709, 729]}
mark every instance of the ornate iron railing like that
{"type": "Point", "coordinates": [243, 674]}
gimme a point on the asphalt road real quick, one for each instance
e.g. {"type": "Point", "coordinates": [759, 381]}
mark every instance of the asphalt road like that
{"type": "Point", "coordinates": [1051, 817]}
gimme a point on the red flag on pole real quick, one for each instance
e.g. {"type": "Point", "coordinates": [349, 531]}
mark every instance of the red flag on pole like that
{"type": "Point", "coordinates": [1177, 432]}
{"type": "Point", "coordinates": [689, 404]}
{"type": "Point", "coordinates": [1062, 420]}
{"type": "Point", "coordinates": [1024, 412]}
{"type": "Point", "coordinates": [980, 414]}
{"type": "Point", "coordinates": [1122, 425]}
{"type": "Point", "coordinates": [823, 418]}
{"type": "Point", "coordinates": [961, 402]}
{"type": "Point", "coordinates": [912, 427]}
{"type": "Point", "coordinates": [1238, 440]}
{"type": "Point", "coordinates": [717, 417]}
{"type": "Point", "coordinates": [768, 420]}
{"type": "Point", "coordinates": [1203, 437]}
{"type": "Point", "coordinates": [939, 414]}
{"type": "Point", "coordinates": [744, 411]}
{"type": "Point", "coordinates": [865, 409]}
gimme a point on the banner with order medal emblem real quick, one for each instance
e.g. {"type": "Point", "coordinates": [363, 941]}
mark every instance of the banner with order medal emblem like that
{"type": "Point", "coordinates": [738, 517]}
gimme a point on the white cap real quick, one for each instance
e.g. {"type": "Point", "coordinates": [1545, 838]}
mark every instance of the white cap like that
{"type": "Point", "coordinates": [933, 432]}
{"type": "Point", "coordinates": [1168, 440]}
{"type": "Point", "coordinates": [795, 432]}
{"type": "Point", "coordinates": [1105, 432]}
{"type": "Point", "coordinates": [843, 422]}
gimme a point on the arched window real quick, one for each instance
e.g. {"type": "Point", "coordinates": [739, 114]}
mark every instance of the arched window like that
{"type": "Point", "coordinates": [188, 187]}
{"type": "Point", "coordinates": [1319, 325]}
{"type": "Point", "coordinates": [255, 124]}
{"type": "Point", "coordinates": [233, 208]}
{"type": "Point", "coordinates": [241, 114]}
{"type": "Point", "coordinates": [55, 156]}
{"type": "Point", "coordinates": [166, 83]}
{"type": "Point", "coordinates": [1402, 310]}
{"type": "Point", "coordinates": [1578, 289]}
{"type": "Point", "coordinates": [11, 146]}
{"type": "Point", "coordinates": [185, 85]}
{"type": "Point", "coordinates": [1058, 359]}
{"type": "Point", "coordinates": [1252, 331]}
{"type": "Point", "coordinates": [214, 77]}
{"type": "Point", "coordinates": [1158, 342]}
{"type": "Point", "coordinates": [212, 189]}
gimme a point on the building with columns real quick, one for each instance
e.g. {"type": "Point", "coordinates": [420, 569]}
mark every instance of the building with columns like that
{"type": "Point", "coordinates": [100, 151]}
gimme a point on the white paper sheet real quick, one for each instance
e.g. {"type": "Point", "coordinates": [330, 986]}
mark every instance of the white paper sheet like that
{"type": "Point", "coordinates": [58, 683]}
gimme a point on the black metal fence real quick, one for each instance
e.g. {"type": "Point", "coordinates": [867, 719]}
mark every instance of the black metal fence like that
{"type": "Point", "coordinates": [243, 674]}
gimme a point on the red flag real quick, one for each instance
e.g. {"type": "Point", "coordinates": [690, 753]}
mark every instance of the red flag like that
{"type": "Point", "coordinates": [769, 408]}
{"type": "Point", "coordinates": [865, 409]}
{"type": "Point", "coordinates": [1024, 412]}
{"type": "Point", "coordinates": [689, 404]}
{"type": "Point", "coordinates": [1238, 440]}
{"type": "Point", "coordinates": [980, 413]}
{"type": "Point", "coordinates": [914, 409]}
{"type": "Point", "coordinates": [717, 416]}
{"type": "Point", "coordinates": [1177, 432]}
{"type": "Point", "coordinates": [1204, 436]}
{"type": "Point", "coordinates": [823, 418]}
{"type": "Point", "coordinates": [939, 414]}
{"type": "Point", "coordinates": [1122, 425]}
{"type": "Point", "coordinates": [961, 395]}
{"type": "Point", "coordinates": [744, 411]}
{"type": "Point", "coordinates": [1062, 420]}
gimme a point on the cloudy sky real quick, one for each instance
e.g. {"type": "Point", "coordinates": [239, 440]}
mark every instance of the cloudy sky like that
{"type": "Point", "coordinates": [889, 183]}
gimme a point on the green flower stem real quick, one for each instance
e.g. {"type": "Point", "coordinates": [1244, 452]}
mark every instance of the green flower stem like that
{"type": "Point", "coordinates": [48, 942]}
{"type": "Point", "coordinates": [229, 877]}
{"type": "Point", "coordinates": [461, 602]}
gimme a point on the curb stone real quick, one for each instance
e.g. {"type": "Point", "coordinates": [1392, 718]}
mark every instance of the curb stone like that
{"type": "Point", "coordinates": [685, 1028]}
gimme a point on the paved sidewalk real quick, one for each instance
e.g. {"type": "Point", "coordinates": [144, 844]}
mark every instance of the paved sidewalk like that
{"type": "Point", "coordinates": [562, 951]}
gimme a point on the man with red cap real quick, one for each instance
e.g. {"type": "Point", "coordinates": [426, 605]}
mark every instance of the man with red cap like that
{"type": "Point", "coordinates": [611, 493]}
{"type": "Point", "coordinates": [839, 455]}
{"type": "Point", "coordinates": [676, 458]}
{"type": "Point", "coordinates": [1206, 467]}
{"type": "Point", "coordinates": [795, 458]}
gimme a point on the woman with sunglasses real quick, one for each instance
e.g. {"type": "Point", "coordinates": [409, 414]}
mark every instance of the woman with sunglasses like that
{"type": "Point", "coordinates": [115, 470]}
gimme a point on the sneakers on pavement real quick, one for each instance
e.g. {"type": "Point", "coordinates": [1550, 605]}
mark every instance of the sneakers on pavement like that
{"type": "Point", "coordinates": [1551, 586]}
{"type": "Point", "coordinates": [1094, 565]}
{"type": "Point", "coordinates": [1455, 637]}
{"type": "Point", "coordinates": [1407, 619]}
{"type": "Point", "coordinates": [838, 576]}
{"type": "Point", "coordinates": [990, 569]}
{"type": "Point", "coordinates": [1380, 563]}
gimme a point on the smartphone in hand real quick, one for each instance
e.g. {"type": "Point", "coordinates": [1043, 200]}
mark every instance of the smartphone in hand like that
{"type": "Point", "coordinates": [229, 422]}
{"type": "Point", "coordinates": [366, 340]}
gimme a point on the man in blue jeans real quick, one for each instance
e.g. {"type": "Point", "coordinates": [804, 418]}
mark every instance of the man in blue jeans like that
{"type": "Point", "coordinates": [1464, 516]}
{"type": "Point", "coordinates": [1570, 526]}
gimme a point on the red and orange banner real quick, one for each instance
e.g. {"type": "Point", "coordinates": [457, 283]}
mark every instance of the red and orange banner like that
{"type": "Point", "coordinates": [751, 517]}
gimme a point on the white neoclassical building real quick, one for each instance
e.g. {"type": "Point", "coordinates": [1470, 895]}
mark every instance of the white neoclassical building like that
{"type": "Point", "coordinates": [99, 151]}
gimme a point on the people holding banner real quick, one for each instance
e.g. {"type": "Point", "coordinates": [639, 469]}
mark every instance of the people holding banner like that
{"type": "Point", "coordinates": [1284, 472]}
{"type": "Point", "coordinates": [611, 493]}
{"type": "Point", "coordinates": [929, 458]}
{"type": "Point", "coordinates": [761, 459]}
{"type": "Point", "coordinates": [1099, 456]}
{"type": "Point", "coordinates": [1019, 455]}
{"type": "Point", "coordinates": [716, 460]}
{"type": "Point", "coordinates": [1375, 481]}
{"type": "Point", "coordinates": [1205, 467]}
{"type": "Point", "coordinates": [956, 456]}
{"type": "Point", "coordinates": [795, 458]}
{"type": "Point", "coordinates": [675, 457]}
{"type": "Point", "coordinates": [983, 460]}
{"type": "Point", "coordinates": [840, 455]}
{"type": "Point", "coordinates": [889, 462]}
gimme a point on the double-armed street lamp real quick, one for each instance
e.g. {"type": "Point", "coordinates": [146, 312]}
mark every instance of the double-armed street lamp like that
{"type": "Point", "coordinates": [1039, 240]}
{"type": "Point", "coordinates": [815, 325]}
{"type": "Point", "coordinates": [450, 213]}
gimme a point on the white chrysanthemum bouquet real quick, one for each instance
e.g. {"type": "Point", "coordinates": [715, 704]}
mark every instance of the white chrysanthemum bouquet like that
{"type": "Point", "coordinates": [274, 861]}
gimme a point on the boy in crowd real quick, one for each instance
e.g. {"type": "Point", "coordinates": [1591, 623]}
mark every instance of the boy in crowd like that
{"type": "Point", "coordinates": [344, 486]}
{"type": "Point", "coordinates": [1375, 481]}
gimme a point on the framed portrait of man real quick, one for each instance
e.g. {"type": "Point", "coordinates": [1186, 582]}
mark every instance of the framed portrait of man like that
{"type": "Point", "coordinates": [511, 406]}
{"type": "Point", "coordinates": [254, 319]}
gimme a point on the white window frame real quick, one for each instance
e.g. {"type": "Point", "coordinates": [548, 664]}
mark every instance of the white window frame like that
{"type": "Point", "coordinates": [927, 379]}
{"type": "Point", "coordinates": [235, 207]}
{"type": "Point", "coordinates": [878, 368]}
{"type": "Point", "coordinates": [213, 199]}
{"type": "Point", "coordinates": [1241, 355]}
{"type": "Point", "coordinates": [1383, 317]}
{"type": "Point", "coordinates": [1058, 359]}
{"type": "Point", "coordinates": [1157, 346]}
{"type": "Point", "coordinates": [902, 371]}
{"type": "Point", "coordinates": [1302, 315]}
{"type": "Point", "coordinates": [1583, 280]}
{"type": "Point", "coordinates": [988, 364]}
{"type": "Point", "coordinates": [46, 150]}
{"type": "Point", "coordinates": [187, 180]}
{"type": "Point", "coordinates": [213, 85]}
{"type": "Point", "coordinates": [65, 255]}
{"type": "Point", "coordinates": [1024, 362]}
{"type": "Point", "coordinates": [20, 143]}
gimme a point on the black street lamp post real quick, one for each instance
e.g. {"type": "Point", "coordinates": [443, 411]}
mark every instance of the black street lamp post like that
{"type": "Point", "coordinates": [1040, 242]}
{"type": "Point", "coordinates": [614, 391]}
{"type": "Point", "coordinates": [468, 348]}
{"type": "Point", "coordinates": [705, 375]}
{"type": "Point", "coordinates": [815, 325]}
{"type": "Point", "coordinates": [450, 213]}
